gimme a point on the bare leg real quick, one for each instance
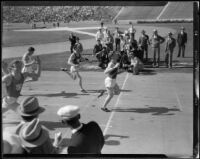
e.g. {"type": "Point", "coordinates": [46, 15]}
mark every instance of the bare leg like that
{"type": "Point", "coordinates": [80, 80]}
{"type": "Point", "coordinates": [109, 97]}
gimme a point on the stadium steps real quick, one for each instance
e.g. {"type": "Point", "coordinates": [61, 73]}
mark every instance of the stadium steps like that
{"type": "Point", "coordinates": [140, 12]}
{"type": "Point", "coordinates": [178, 10]}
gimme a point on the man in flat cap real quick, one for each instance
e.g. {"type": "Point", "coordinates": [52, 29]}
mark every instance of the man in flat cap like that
{"type": "Point", "coordinates": [86, 138]}
{"type": "Point", "coordinates": [181, 40]}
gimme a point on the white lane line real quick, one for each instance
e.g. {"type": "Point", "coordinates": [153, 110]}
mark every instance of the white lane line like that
{"type": "Point", "coordinates": [161, 13]}
{"type": "Point", "coordinates": [118, 13]}
{"type": "Point", "coordinates": [112, 114]}
{"type": "Point", "coordinates": [179, 102]}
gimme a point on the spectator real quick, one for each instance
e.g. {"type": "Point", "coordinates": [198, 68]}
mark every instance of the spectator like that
{"type": "Point", "coordinates": [117, 39]}
{"type": "Point", "coordinates": [136, 63]}
{"type": "Point", "coordinates": [132, 31]}
{"type": "Point", "coordinates": [155, 41]}
{"type": "Point", "coordinates": [105, 35]}
{"type": "Point", "coordinates": [182, 40]}
{"type": "Point", "coordinates": [99, 35]}
{"type": "Point", "coordinates": [109, 41]}
{"type": "Point", "coordinates": [13, 82]}
{"type": "Point", "coordinates": [29, 109]}
{"type": "Point", "coordinates": [122, 43]}
{"type": "Point", "coordinates": [35, 138]}
{"type": "Point", "coordinates": [103, 56]}
{"type": "Point", "coordinates": [169, 49]}
{"type": "Point", "coordinates": [97, 49]}
{"type": "Point", "coordinates": [11, 144]}
{"type": "Point", "coordinates": [86, 138]}
{"type": "Point", "coordinates": [72, 39]}
{"type": "Point", "coordinates": [143, 43]}
{"type": "Point", "coordinates": [78, 46]}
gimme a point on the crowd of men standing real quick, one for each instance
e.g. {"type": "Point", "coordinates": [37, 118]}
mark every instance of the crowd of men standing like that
{"type": "Point", "coordinates": [126, 45]}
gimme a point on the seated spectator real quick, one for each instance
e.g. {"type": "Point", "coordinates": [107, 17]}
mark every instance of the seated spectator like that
{"type": "Point", "coordinates": [86, 138]}
{"type": "Point", "coordinates": [136, 63]}
{"type": "Point", "coordinates": [11, 143]}
{"type": "Point", "coordinates": [35, 138]}
{"type": "Point", "coordinates": [97, 49]}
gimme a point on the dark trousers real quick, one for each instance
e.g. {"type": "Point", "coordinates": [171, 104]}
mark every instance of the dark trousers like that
{"type": "Point", "coordinates": [145, 52]}
{"type": "Point", "coordinates": [117, 44]}
{"type": "Point", "coordinates": [156, 51]}
{"type": "Point", "coordinates": [71, 48]}
{"type": "Point", "coordinates": [181, 48]}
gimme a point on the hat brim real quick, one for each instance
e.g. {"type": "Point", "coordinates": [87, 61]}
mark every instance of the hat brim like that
{"type": "Point", "coordinates": [39, 110]}
{"type": "Point", "coordinates": [43, 137]}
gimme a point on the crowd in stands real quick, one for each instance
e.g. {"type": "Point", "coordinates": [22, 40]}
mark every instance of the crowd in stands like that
{"type": "Point", "coordinates": [29, 14]}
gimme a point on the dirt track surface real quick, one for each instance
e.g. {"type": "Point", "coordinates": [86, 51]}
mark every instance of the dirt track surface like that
{"type": "Point", "coordinates": [152, 109]}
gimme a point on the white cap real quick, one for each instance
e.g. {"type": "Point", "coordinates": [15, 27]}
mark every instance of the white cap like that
{"type": "Point", "coordinates": [68, 111]}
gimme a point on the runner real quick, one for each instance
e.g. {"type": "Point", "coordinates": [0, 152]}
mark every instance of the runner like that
{"type": "Point", "coordinates": [28, 61]}
{"type": "Point", "coordinates": [13, 82]}
{"type": "Point", "coordinates": [110, 81]}
{"type": "Point", "coordinates": [74, 61]}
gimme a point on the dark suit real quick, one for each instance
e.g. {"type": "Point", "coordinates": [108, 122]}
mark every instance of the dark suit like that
{"type": "Point", "coordinates": [181, 40]}
{"type": "Point", "coordinates": [89, 139]}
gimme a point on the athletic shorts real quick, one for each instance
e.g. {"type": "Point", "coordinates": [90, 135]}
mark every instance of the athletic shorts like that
{"type": "Point", "coordinates": [109, 82]}
{"type": "Point", "coordinates": [74, 69]}
{"type": "Point", "coordinates": [9, 103]}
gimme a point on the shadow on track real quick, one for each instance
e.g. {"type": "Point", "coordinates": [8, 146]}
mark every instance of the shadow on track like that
{"type": "Point", "coordinates": [113, 142]}
{"type": "Point", "coordinates": [152, 110]}
{"type": "Point", "coordinates": [64, 94]}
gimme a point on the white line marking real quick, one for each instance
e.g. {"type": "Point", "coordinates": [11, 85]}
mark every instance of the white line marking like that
{"type": "Point", "coordinates": [179, 102]}
{"type": "Point", "coordinates": [119, 13]}
{"type": "Point", "coordinates": [112, 114]}
{"type": "Point", "coordinates": [162, 11]}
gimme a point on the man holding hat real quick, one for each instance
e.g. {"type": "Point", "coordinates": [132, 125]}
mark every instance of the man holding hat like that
{"type": "Point", "coordinates": [181, 40]}
{"type": "Point", "coordinates": [169, 49]}
{"type": "Point", "coordinates": [155, 41]}
{"type": "Point", "coordinates": [86, 138]}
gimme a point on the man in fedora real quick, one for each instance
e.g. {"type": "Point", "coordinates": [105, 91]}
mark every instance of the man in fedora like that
{"type": "Point", "coordinates": [169, 49]}
{"type": "Point", "coordinates": [86, 138]}
{"type": "Point", "coordinates": [29, 109]}
{"type": "Point", "coordinates": [35, 138]}
{"type": "Point", "coordinates": [181, 40]}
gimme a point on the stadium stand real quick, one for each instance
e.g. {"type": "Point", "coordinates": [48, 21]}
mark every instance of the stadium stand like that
{"type": "Point", "coordinates": [140, 12]}
{"type": "Point", "coordinates": [28, 14]}
{"type": "Point", "coordinates": [178, 10]}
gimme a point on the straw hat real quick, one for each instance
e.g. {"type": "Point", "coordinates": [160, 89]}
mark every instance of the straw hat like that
{"type": "Point", "coordinates": [32, 134]}
{"type": "Point", "coordinates": [30, 107]}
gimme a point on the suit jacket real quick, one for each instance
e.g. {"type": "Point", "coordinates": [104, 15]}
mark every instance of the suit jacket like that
{"type": "Point", "coordinates": [170, 44]}
{"type": "Point", "coordinates": [182, 38]}
{"type": "Point", "coordinates": [89, 139]}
